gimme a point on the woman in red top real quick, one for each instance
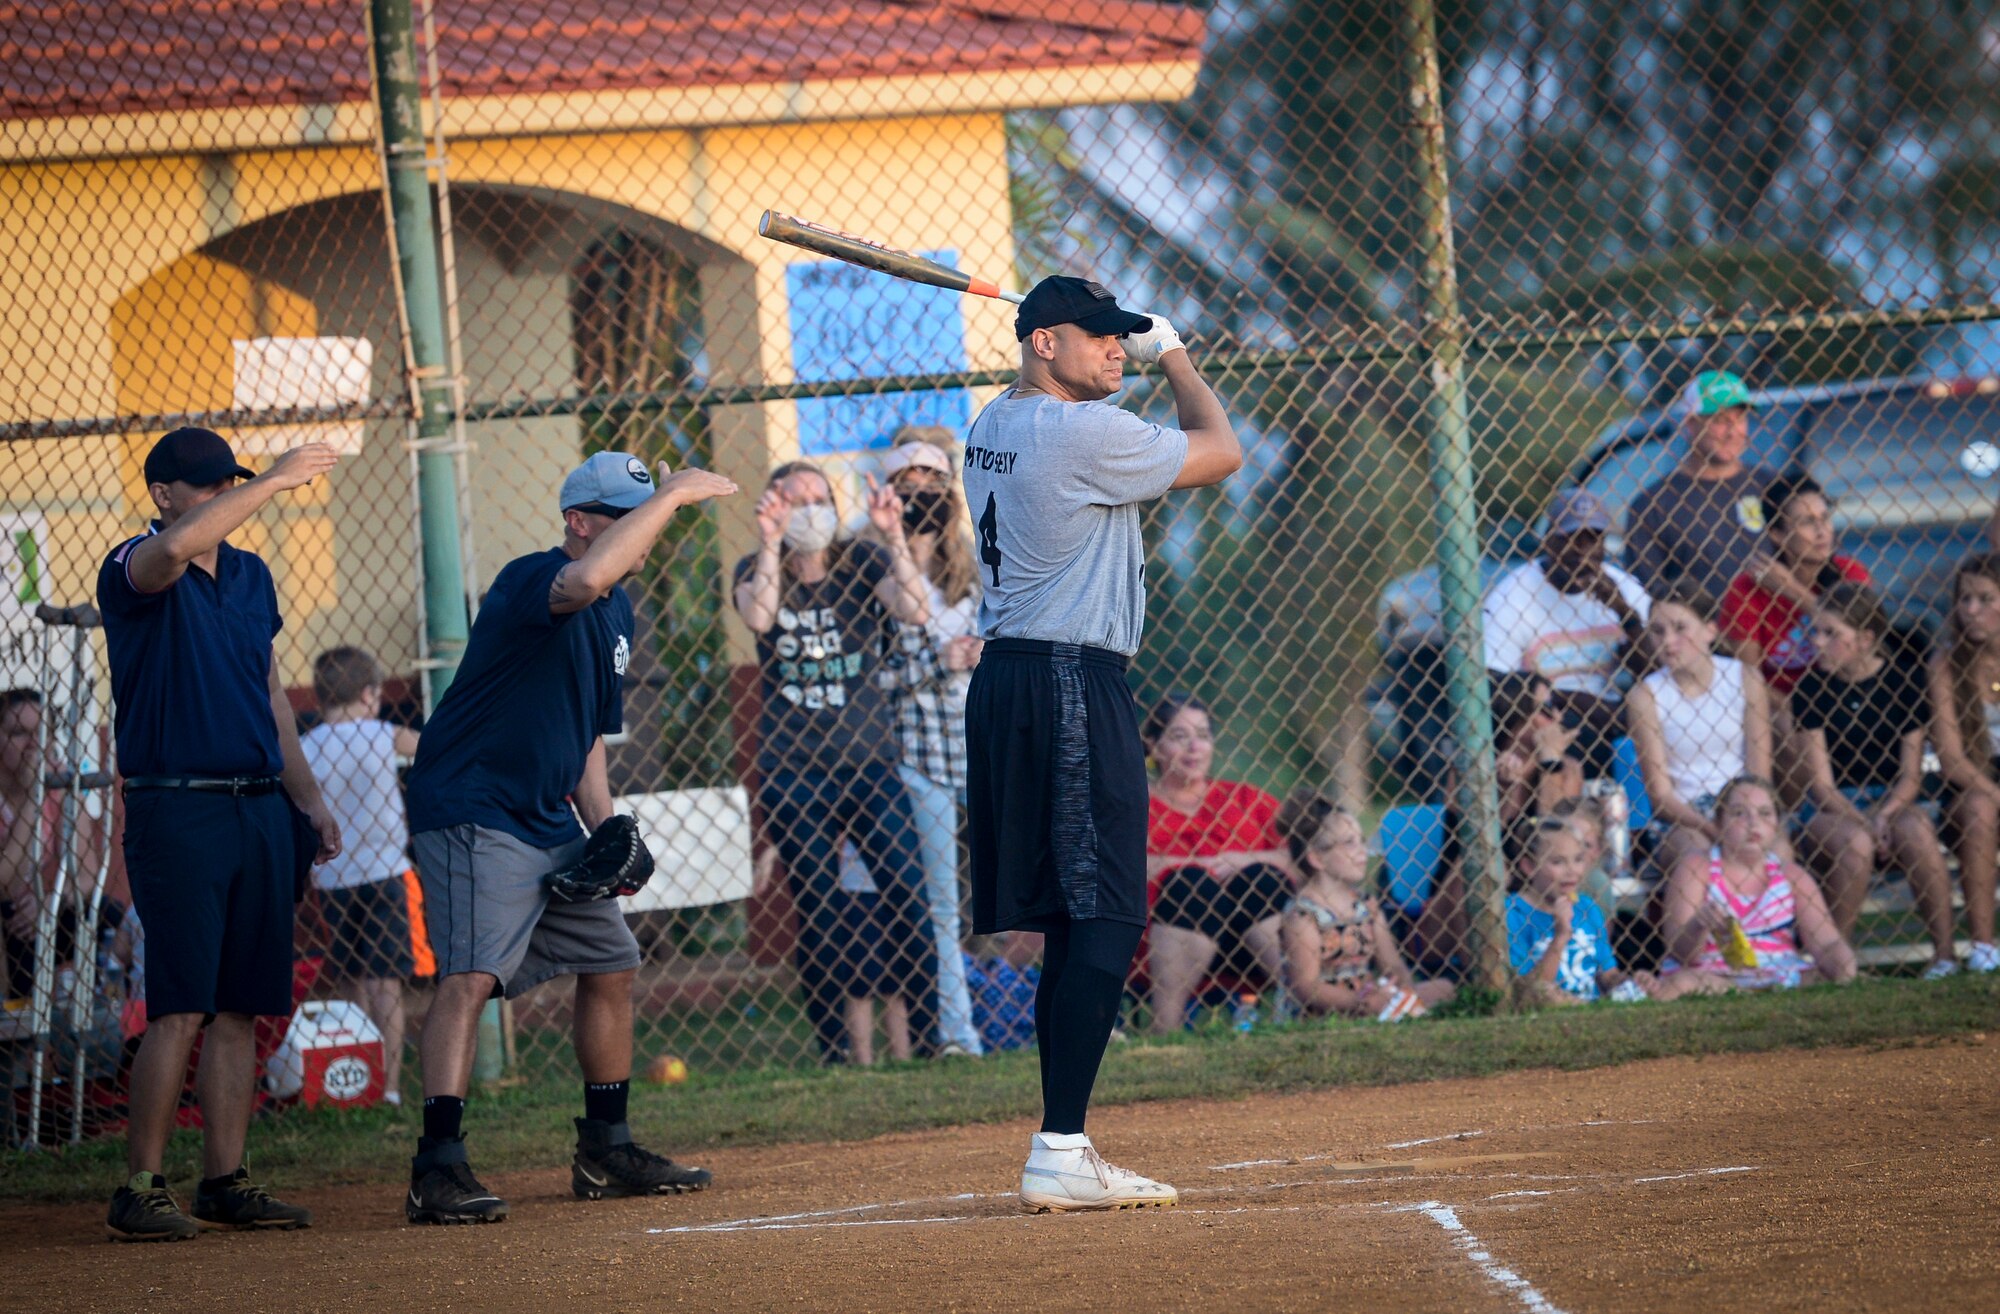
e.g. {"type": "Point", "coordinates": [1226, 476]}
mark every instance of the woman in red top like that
{"type": "Point", "coordinates": [1217, 874]}
{"type": "Point", "coordinates": [1767, 611]}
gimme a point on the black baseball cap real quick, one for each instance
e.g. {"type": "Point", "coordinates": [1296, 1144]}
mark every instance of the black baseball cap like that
{"type": "Point", "coordinates": [1063, 300]}
{"type": "Point", "coordinates": [193, 456]}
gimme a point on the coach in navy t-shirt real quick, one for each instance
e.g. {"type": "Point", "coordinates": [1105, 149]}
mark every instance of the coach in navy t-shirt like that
{"type": "Point", "coordinates": [509, 761]}
{"type": "Point", "coordinates": [208, 750]}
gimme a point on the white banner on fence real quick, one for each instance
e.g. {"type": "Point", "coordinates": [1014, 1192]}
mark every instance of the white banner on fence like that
{"type": "Point", "coordinates": [701, 842]}
{"type": "Point", "coordinates": [286, 373]}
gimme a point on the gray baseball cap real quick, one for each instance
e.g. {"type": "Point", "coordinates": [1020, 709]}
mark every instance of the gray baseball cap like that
{"type": "Point", "coordinates": [611, 479]}
{"type": "Point", "coordinates": [1577, 511]}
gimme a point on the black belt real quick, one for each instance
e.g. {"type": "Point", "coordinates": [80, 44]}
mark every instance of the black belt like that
{"type": "Point", "coordinates": [239, 786]}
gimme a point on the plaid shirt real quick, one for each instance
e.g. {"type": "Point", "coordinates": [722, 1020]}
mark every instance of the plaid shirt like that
{"type": "Point", "coordinates": [929, 700]}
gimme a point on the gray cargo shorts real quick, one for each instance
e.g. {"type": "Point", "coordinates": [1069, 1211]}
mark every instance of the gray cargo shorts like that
{"type": "Point", "coordinates": [487, 911]}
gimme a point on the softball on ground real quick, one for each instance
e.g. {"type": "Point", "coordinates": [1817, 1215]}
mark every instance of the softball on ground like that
{"type": "Point", "coordinates": [666, 1070]}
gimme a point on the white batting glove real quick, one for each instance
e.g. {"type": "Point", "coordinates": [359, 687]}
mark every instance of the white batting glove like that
{"type": "Point", "coordinates": [1155, 342]}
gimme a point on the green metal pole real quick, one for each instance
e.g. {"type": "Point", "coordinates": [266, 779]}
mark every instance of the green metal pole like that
{"type": "Point", "coordinates": [1452, 481]}
{"type": "Point", "coordinates": [396, 88]}
{"type": "Point", "coordinates": [393, 45]}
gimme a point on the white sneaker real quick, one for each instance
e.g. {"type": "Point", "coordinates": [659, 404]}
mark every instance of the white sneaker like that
{"type": "Point", "coordinates": [1982, 958]}
{"type": "Point", "coordinates": [1066, 1173]}
{"type": "Point", "coordinates": [1941, 968]}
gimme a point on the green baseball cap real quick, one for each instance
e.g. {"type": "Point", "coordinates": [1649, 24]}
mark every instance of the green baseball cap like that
{"type": "Point", "coordinates": [1712, 391]}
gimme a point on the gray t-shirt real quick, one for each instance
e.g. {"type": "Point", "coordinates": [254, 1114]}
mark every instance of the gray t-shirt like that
{"type": "Point", "coordinates": [1054, 487]}
{"type": "Point", "coordinates": [1699, 530]}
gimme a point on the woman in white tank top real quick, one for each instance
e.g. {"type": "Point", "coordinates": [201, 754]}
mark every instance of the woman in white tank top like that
{"type": "Point", "coordinates": [1698, 721]}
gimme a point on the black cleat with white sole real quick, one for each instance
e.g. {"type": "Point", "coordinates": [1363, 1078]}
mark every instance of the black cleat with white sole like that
{"type": "Point", "coordinates": [609, 1165]}
{"type": "Point", "coordinates": [443, 1189]}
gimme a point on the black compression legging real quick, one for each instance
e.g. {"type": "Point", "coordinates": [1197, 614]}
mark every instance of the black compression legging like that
{"type": "Point", "coordinates": [1083, 978]}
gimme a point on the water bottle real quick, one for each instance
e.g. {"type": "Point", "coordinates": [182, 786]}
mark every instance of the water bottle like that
{"type": "Point", "coordinates": [1617, 810]}
{"type": "Point", "coordinates": [1243, 1012]}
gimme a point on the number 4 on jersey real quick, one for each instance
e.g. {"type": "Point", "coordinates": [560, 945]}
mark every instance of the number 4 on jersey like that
{"type": "Point", "coordinates": [989, 538]}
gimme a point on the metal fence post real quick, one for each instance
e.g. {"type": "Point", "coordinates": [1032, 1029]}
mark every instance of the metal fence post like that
{"type": "Point", "coordinates": [413, 230]}
{"type": "Point", "coordinates": [1446, 419]}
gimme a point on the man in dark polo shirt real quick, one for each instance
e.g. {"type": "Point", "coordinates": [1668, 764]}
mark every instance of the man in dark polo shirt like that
{"type": "Point", "coordinates": [208, 750]}
{"type": "Point", "coordinates": [512, 756]}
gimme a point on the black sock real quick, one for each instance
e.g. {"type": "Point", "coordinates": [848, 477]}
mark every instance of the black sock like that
{"type": "Point", "coordinates": [210, 1185]}
{"type": "Point", "coordinates": [604, 1101]}
{"type": "Point", "coordinates": [444, 1116]}
{"type": "Point", "coordinates": [1083, 993]}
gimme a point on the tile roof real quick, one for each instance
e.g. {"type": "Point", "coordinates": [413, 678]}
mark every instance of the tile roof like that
{"type": "Point", "coordinates": [61, 58]}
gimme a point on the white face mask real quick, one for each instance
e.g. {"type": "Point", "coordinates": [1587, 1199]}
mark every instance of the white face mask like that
{"type": "Point", "coordinates": [811, 528]}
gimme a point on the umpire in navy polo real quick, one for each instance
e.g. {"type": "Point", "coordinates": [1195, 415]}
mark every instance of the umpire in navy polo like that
{"type": "Point", "coordinates": [210, 756]}
{"type": "Point", "coordinates": [1056, 779]}
{"type": "Point", "coordinates": [517, 740]}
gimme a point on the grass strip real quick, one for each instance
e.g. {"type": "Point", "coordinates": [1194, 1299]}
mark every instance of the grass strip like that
{"type": "Point", "coordinates": [527, 1125]}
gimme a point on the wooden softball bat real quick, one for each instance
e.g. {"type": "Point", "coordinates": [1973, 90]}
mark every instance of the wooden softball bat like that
{"type": "Point", "coordinates": [896, 263]}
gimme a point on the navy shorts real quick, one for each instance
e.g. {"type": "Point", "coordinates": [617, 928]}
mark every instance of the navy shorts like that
{"type": "Point", "coordinates": [1055, 788]}
{"type": "Point", "coordinates": [212, 878]}
{"type": "Point", "coordinates": [368, 930]}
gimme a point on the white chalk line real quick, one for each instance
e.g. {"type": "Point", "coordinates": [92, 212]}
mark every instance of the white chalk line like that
{"type": "Point", "coordinates": [1242, 1164]}
{"type": "Point", "coordinates": [1699, 1172]}
{"type": "Point", "coordinates": [1475, 1250]}
{"type": "Point", "coordinates": [812, 1219]}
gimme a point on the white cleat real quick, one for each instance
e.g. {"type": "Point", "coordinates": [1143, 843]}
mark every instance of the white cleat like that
{"type": "Point", "coordinates": [1066, 1173]}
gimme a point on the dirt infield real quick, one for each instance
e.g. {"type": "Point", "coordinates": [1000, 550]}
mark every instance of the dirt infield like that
{"type": "Point", "coordinates": [1832, 1180]}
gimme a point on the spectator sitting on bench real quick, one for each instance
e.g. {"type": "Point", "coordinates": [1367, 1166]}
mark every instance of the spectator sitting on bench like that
{"type": "Point", "coordinates": [1534, 759]}
{"type": "Point", "coordinates": [1699, 525]}
{"type": "Point", "coordinates": [1965, 730]}
{"type": "Point", "coordinates": [1859, 721]}
{"type": "Point", "coordinates": [1340, 955]}
{"type": "Point", "coordinates": [1699, 721]}
{"type": "Point", "coordinates": [1216, 871]}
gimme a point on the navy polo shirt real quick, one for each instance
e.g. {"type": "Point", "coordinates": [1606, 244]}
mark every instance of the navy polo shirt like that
{"type": "Point", "coordinates": [191, 666]}
{"type": "Point", "coordinates": [505, 747]}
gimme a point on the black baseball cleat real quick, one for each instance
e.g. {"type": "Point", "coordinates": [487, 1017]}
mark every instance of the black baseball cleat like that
{"type": "Point", "coordinates": [608, 1164]}
{"type": "Point", "coordinates": [443, 1189]}
{"type": "Point", "coordinates": [240, 1204]}
{"type": "Point", "coordinates": [144, 1210]}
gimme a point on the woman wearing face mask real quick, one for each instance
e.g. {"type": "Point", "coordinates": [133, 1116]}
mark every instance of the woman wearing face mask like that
{"type": "Point", "coordinates": [820, 605]}
{"type": "Point", "coordinates": [929, 670]}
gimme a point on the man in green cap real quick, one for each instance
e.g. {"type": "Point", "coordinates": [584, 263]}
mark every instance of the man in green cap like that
{"type": "Point", "coordinates": [1702, 522]}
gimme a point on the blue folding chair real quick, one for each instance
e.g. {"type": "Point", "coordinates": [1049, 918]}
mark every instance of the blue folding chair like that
{"type": "Point", "coordinates": [1412, 839]}
{"type": "Point", "coordinates": [1625, 770]}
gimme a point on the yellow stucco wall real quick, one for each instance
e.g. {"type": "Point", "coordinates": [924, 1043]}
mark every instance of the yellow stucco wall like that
{"type": "Point", "coordinates": [116, 310]}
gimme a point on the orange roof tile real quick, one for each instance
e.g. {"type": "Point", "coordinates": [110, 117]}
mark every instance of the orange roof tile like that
{"type": "Point", "coordinates": [62, 58]}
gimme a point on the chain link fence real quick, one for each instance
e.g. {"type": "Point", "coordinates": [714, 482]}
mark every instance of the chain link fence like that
{"type": "Point", "coordinates": [1669, 255]}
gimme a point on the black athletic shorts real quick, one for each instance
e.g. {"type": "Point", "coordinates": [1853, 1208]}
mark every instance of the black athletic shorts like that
{"type": "Point", "coordinates": [1055, 788]}
{"type": "Point", "coordinates": [368, 930]}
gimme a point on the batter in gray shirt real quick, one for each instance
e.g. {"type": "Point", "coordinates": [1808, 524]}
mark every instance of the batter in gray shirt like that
{"type": "Point", "coordinates": [1054, 488]}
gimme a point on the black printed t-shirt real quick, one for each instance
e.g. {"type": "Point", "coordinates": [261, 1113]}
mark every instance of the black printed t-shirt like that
{"type": "Point", "coordinates": [1864, 720]}
{"type": "Point", "coordinates": [506, 746]}
{"type": "Point", "coordinates": [823, 709]}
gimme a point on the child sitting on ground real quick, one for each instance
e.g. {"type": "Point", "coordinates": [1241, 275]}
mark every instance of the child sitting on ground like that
{"type": "Point", "coordinates": [1743, 912]}
{"type": "Point", "coordinates": [1559, 943]}
{"type": "Point", "coordinates": [1339, 955]}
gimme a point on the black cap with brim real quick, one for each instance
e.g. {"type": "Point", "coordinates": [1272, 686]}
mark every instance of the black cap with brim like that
{"type": "Point", "coordinates": [1064, 300]}
{"type": "Point", "coordinates": [199, 457]}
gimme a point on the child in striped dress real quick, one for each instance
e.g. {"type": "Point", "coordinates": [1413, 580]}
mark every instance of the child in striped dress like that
{"type": "Point", "coordinates": [1742, 911]}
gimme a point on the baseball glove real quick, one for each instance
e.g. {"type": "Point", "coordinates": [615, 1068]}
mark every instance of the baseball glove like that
{"type": "Point", "coordinates": [615, 861]}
